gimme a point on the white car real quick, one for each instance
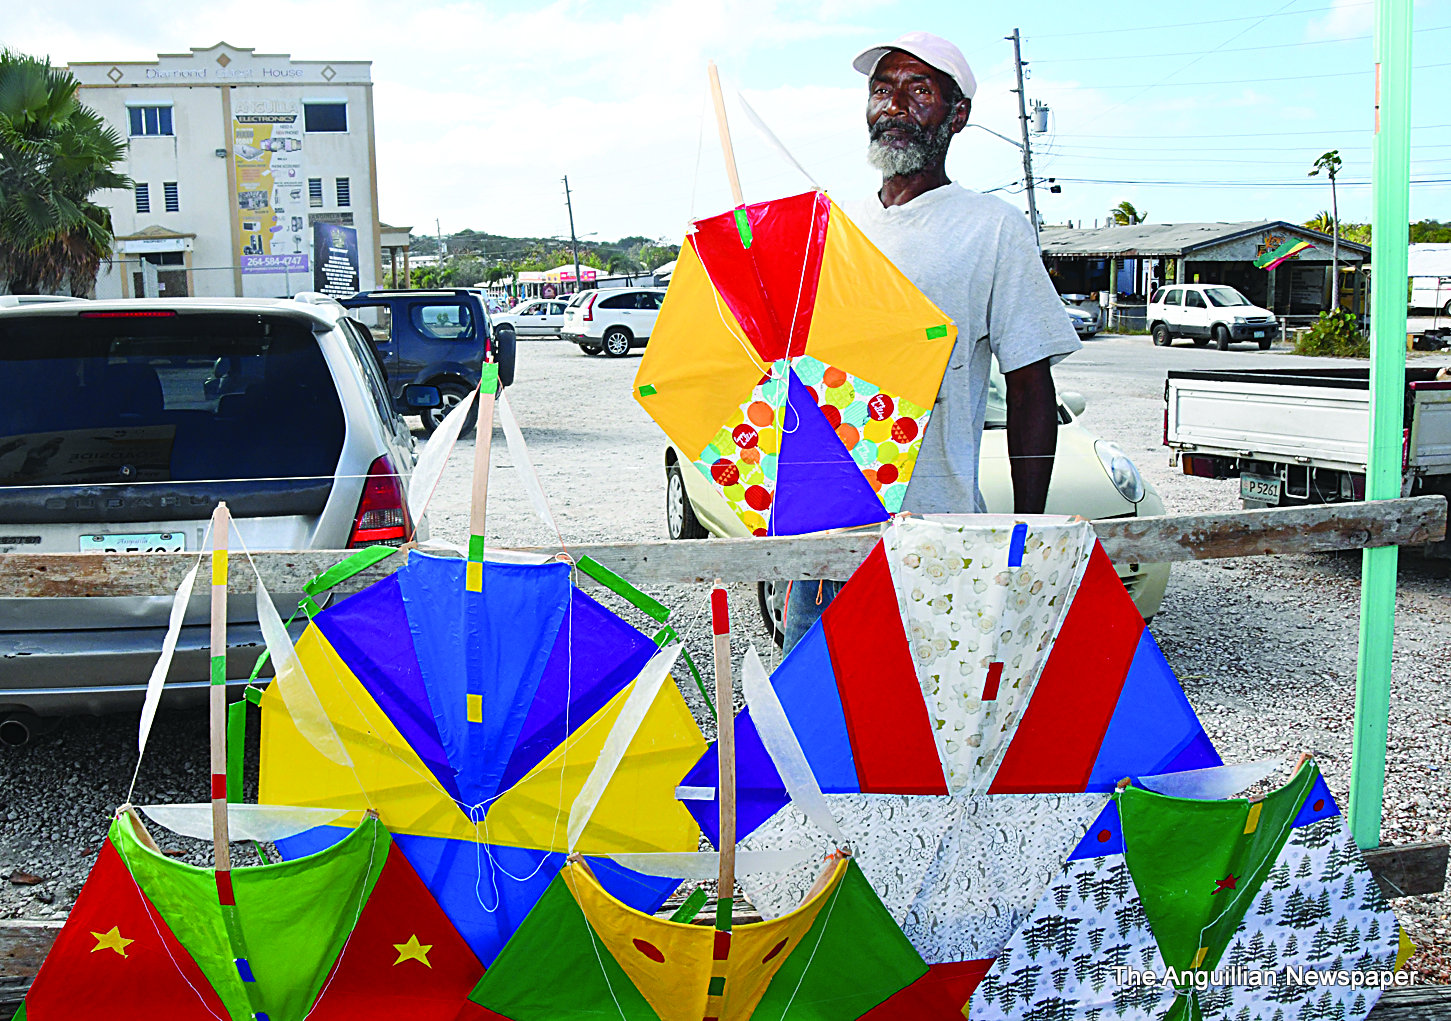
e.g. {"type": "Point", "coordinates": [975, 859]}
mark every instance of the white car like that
{"type": "Point", "coordinates": [541, 317]}
{"type": "Point", "coordinates": [612, 320]}
{"type": "Point", "coordinates": [1091, 477]}
{"type": "Point", "coordinates": [1205, 312]}
{"type": "Point", "coordinates": [1085, 323]}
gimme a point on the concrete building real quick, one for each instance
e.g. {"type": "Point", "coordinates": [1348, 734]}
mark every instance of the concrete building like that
{"type": "Point", "coordinates": [256, 174]}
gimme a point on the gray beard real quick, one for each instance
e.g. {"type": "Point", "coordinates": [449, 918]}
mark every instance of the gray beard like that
{"type": "Point", "coordinates": [916, 156]}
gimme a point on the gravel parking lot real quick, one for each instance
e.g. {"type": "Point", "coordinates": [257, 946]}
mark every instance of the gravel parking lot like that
{"type": "Point", "coordinates": [1265, 647]}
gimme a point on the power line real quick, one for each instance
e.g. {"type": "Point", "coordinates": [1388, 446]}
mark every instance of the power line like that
{"type": "Point", "coordinates": [1250, 81]}
{"type": "Point", "coordinates": [1193, 24]}
{"type": "Point", "coordinates": [1237, 184]}
{"type": "Point", "coordinates": [1255, 134]}
{"type": "Point", "coordinates": [1242, 49]}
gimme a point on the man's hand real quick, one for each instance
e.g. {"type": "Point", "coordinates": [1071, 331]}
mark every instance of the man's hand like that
{"type": "Point", "coordinates": [1032, 434]}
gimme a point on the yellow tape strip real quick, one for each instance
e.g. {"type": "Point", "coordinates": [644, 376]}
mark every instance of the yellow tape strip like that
{"type": "Point", "coordinates": [219, 567]}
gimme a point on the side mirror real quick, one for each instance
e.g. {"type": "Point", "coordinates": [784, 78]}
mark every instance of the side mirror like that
{"type": "Point", "coordinates": [1073, 401]}
{"type": "Point", "coordinates": [417, 395]}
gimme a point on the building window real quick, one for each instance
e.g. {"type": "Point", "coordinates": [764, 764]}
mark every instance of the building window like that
{"type": "Point", "coordinates": [345, 193]}
{"type": "Point", "coordinates": [143, 198]}
{"type": "Point", "coordinates": [173, 200]}
{"type": "Point", "coordinates": [150, 120]}
{"type": "Point", "coordinates": [319, 116]}
{"type": "Point", "coordinates": [314, 192]}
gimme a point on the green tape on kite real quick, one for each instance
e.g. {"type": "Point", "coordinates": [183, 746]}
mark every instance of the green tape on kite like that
{"type": "Point", "coordinates": [476, 548]}
{"type": "Point", "coordinates": [219, 669]}
{"type": "Point", "coordinates": [743, 226]}
{"type": "Point", "coordinates": [690, 907]}
{"type": "Point", "coordinates": [236, 740]}
{"type": "Point", "coordinates": [253, 695]}
{"type": "Point", "coordinates": [345, 569]}
{"type": "Point", "coordinates": [668, 634]}
{"type": "Point", "coordinates": [933, 332]}
{"type": "Point", "coordinates": [612, 581]}
{"type": "Point", "coordinates": [724, 908]}
{"type": "Point", "coordinates": [489, 378]}
{"type": "Point", "coordinates": [648, 391]}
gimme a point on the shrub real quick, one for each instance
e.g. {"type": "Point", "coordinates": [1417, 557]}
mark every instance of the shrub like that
{"type": "Point", "coordinates": [1335, 335]}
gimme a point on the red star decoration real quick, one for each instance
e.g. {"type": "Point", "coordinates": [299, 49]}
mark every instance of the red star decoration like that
{"type": "Point", "coordinates": [1227, 883]}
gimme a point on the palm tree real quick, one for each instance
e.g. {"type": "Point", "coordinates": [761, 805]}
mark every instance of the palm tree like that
{"type": "Point", "coordinates": [621, 264]}
{"type": "Point", "coordinates": [1124, 214]}
{"type": "Point", "coordinates": [1322, 222]}
{"type": "Point", "coordinates": [55, 154]}
{"type": "Point", "coordinates": [1331, 163]}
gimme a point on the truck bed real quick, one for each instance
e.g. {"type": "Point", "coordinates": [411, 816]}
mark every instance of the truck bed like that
{"type": "Point", "coordinates": [1316, 417]}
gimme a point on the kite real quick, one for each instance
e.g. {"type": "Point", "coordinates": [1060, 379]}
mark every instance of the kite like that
{"type": "Point", "coordinates": [473, 699]}
{"type": "Point", "coordinates": [1288, 250]}
{"type": "Point", "coordinates": [795, 365]}
{"type": "Point", "coordinates": [347, 933]}
{"type": "Point", "coordinates": [1178, 908]}
{"type": "Point", "coordinates": [581, 954]}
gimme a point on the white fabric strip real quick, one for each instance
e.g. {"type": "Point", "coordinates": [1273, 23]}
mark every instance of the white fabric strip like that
{"type": "Point", "coordinates": [163, 662]}
{"type": "Point", "coordinates": [695, 794]}
{"type": "Point", "coordinates": [525, 467]}
{"type": "Point", "coordinates": [296, 690]}
{"type": "Point", "coordinates": [770, 136]}
{"type": "Point", "coordinates": [785, 751]}
{"type": "Point", "coordinates": [1212, 783]}
{"type": "Point", "coordinates": [642, 696]}
{"type": "Point", "coordinates": [244, 822]}
{"type": "Point", "coordinates": [429, 469]}
{"type": "Point", "coordinates": [706, 864]}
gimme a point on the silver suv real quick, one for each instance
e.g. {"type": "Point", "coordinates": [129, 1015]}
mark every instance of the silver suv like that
{"type": "Point", "coordinates": [122, 423]}
{"type": "Point", "coordinates": [612, 319]}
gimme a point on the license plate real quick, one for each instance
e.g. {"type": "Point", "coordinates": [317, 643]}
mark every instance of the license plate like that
{"type": "Point", "coordinates": [1263, 488]}
{"type": "Point", "coordinates": [1259, 334]}
{"type": "Point", "coordinates": [135, 542]}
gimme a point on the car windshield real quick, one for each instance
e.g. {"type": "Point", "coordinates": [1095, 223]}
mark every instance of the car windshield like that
{"type": "Point", "coordinates": [1224, 297]}
{"type": "Point", "coordinates": [129, 400]}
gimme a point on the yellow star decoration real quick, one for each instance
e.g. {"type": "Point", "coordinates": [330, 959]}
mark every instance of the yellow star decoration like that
{"type": "Point", "coordinates": [413, 951]}
{"type": "Point", "coordinates": [112, 940]}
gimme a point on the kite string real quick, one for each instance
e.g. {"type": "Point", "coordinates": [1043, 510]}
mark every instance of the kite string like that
{"type": "Point", "coordinates": [819, 937]}
{"type": "Point", "coordinates": [353, 929]}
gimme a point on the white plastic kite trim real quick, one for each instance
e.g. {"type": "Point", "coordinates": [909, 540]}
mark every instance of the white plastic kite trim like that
{"type": "Point", "coordinates": [429, 469]}
{"type": "Point", "coordinates": [770, 136]}
{"type": "Point", "coordinates": [695, 794]}
{"type": "Point", "coordinates": [520, 454]}
{"type": "Point", "coordinates": [706, 864]}
{"type": "Point", "coordinates": [297, 693]}
{"type": "Point", "coordinates": [244, 822]}
{"type": "Point", "coordinates": [785, 751]}
{"type": "Point", "coordinates": [1213, 782]}
{"type": "Point", "coordinates": [642, 696]}
{"type": "Point", "coordinates": [163, 662]}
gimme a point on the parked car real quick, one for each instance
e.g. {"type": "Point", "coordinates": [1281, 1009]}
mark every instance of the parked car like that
{"type": "Point", "coordinates": [613, 320]}
{"type": "Point", "coordinates": [112, 441]}
{"type": "Point", "coordinates": [1205, 312]}
{"type": "Point", "coordinates": [542, 317]}
{"type": "Point", "coordinates": [14, 300]}
{"type": "Point", "coordinates": [437, 338]}
{"type": "Point", "coordinates": [1084, 323]}
{"type": "Point", "coordinates": [1091, 477]}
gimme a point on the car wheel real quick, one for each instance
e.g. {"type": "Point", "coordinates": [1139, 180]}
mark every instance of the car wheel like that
{"type": "Point", "coordinates": [589, 349]}
{"type": "Point", "coordinates": [1201, 341]}
{"type": "Point", "coordinates": [771, 596]}
{"type": "Point", "coordinates": [506, 333]}
{"type": "Point", "coordinates": [617, 342]}
{"type": "Point", "coordinates": [450, 396]}
{"type": "Point", "coordinates": [680, 517]}
{"type": "Point", "coordinates": [1265, 344]}
{"type": "Point", "coordinates": [1161, 335]}
{"type": "Point", "coordinates": [1221, 338]}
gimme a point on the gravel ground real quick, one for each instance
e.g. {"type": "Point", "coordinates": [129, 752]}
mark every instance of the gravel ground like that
{"type": "Point", "coordinates": [1265, 647]}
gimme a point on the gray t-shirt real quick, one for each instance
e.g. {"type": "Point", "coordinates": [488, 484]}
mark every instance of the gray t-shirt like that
{"type": "Point", "coordinates": [974, 256]}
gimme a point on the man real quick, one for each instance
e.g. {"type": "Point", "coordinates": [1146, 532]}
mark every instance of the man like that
{"type": "Point", "coordinates": [977, 258]}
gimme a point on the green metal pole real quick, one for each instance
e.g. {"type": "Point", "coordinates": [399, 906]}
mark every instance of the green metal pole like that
{"type": "Point", "coordinates": [1391, 197]}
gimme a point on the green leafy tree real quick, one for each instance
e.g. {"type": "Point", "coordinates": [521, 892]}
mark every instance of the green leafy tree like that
{"type": "Point", "coordinates": [1321, 221]}
{"type": "Point", "coordinates": [55, 154]}
{"type": "Point", "coordinates": [1330, 163]}
{"type": "Point", "coordinates": [1124, 214]}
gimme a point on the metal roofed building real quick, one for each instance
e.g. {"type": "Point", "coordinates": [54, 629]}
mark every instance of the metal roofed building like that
{"type": "Point", "coordinates": [1139, 257]}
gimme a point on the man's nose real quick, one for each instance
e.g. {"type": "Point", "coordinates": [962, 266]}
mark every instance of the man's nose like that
{"type": "Point", "coordinates": [894, 103]}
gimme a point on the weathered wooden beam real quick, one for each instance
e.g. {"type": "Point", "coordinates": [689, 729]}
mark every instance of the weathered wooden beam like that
{"type": "Point", "coordinates": [1413, 1003]}
{"type": "Point", "coordinates": [23, 945]}
{"type": "Point", "coordinates": [1406, 522]}
{"type": "Point", "coordinates": [1408, 869]}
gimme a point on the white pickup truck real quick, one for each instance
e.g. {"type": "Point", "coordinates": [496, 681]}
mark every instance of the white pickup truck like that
{"type": "Point", "coordinates": [1298, 436]}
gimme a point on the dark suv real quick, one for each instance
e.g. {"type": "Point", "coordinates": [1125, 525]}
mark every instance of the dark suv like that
{"type": "Point", "coordinates": [438, 338]}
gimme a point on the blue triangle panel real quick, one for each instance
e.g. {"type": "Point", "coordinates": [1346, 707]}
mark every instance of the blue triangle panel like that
{"type": "Point", "coordinates": [818, 484]}
{"type": "Point", "coordinates": [1319, 804]}
{"type": "Point", "coordinates": [805, 682]}
{"type": "Point", "coordinates": [760, 793]}
{"type": "Point", "coordinates": [1104, 837]}
{"type": "Point", "coordinates": [1151, 724]}
{"type": "Point", "coordinates": [1198, 754]}
{"type": "Point", "coordinates": [493, 644]}
{"type": "Point", "coordinates": [641, 892]}
{"type": "Point", "coordinates": [319, 838]}
{"type": "Point", "coordinates": [370, 632]}
{"type": "Point", "coordinates": [596, 654]}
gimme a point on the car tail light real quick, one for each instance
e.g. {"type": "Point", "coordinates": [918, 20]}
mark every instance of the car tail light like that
{"type": "Point", "coordinates": [1166, 425]}
{"type": "Point", "coordinates": [1205, 467]}
{"type": "Point", "coordinates": [382, 517]}
{"type": "Point", "coordinates": [589, 308]}
{"type": "Point", "coordinates": [147, 313]}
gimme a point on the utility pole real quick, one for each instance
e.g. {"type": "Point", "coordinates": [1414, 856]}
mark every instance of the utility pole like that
{"type": "Point", "coordinates": [578, 283]}
{"type": "Point", "coordinates": [442, 252]}
{"type": "Point", "coordinates": [1023, 120]}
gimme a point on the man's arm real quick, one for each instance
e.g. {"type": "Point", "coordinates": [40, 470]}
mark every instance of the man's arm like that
{"type": "Point", "coordinates": [1032, 434]}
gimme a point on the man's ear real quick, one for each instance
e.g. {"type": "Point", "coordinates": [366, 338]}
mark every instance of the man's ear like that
{"type": "Point", "coordinates": [960, 115]}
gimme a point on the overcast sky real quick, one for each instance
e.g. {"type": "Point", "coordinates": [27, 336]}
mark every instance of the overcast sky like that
{"type": "Point", "coordinates": [482, 106]}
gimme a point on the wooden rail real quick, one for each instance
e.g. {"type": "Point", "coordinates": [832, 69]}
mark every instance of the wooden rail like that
{"type": "Point", "coordinates": [1412, 521]}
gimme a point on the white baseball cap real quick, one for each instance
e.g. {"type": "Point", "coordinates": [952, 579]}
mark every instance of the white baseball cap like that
{"type": "Point", "coordinates": [928, 48]}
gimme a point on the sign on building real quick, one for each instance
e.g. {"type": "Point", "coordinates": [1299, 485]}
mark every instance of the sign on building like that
{"type": "Point", "coordinates": [271, 191]}
{"type": "Point", "coordinates": [335, 259]}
